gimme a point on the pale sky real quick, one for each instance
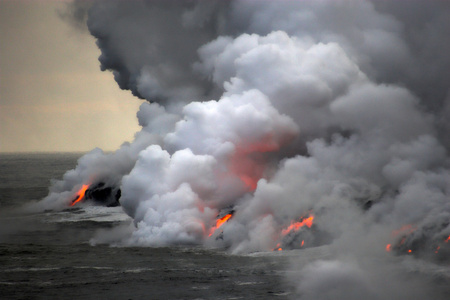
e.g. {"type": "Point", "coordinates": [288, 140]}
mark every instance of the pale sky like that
{"type": "Point", "coordinates": [53, 96]}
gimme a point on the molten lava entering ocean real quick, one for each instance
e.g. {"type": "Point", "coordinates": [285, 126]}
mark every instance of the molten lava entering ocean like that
{"type": "Point", "coordinates": [80, 194]}
{"type": "Point", "coordinates": [219, 223]}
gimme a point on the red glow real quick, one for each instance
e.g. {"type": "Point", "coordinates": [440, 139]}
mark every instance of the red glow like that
{"type": "Point", "coordinates": [248, 162]}
{"type": "Point", "coordinates": [303, 243]}
{"type": "Point", "coordinates": [80, 194]}
{"type": "Point", "coordinates": [251, 183]}
{"type": "Point", "coordinates": [404, 230]}
{"type": "Point", "coordinates": [295, 226]}
{"type": "Point", "coordinates": [277, 247]}
{"type": "Point", "coordinates": [219, 223]}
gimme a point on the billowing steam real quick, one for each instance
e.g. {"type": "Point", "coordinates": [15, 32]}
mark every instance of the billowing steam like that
{"type": "Point", "coordinates": [275, 111]}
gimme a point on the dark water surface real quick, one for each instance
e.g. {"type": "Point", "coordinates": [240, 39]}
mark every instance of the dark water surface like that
{"type": "Point", "coordinates": [25, 177]}
{"type": "Point", "coordinates": [33, 271]}
{"type": "Point", "coordinates": [60, 255]}
{"type": "Point", "coordinates": [48, 255]}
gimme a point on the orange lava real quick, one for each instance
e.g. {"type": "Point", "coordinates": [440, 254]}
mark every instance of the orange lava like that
{"type": "Point", "coordinates": [406, 230]}
{"type": "Point", "coordinates": [403, 231]}
{"type": "Point", "coordinates": [295, 226]}
{"type": "Point", "coordinates": [219, 223]}
{"type": "Point", "coordinates": [277, 247]}
{"type": "Point", "coordinates": [303, 243]}
{"type": "Point", "coordinates": [80, 194]}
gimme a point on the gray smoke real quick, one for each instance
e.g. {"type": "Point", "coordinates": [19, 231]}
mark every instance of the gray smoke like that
{"type": "Point", "coordinates": [150, 45]}
{"type": "Point", "coordinates": [279, 110]}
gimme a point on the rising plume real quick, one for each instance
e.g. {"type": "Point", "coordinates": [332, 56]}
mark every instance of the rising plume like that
{"type": "Point", "coordinates": [277, 110]}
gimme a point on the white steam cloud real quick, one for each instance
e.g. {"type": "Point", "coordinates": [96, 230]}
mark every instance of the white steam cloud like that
{"type": "Point", "coordinates": [275, 111]}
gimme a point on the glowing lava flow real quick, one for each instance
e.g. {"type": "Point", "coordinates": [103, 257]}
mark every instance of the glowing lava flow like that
{"type": "Point", "coordinates": [439, 247]}
{"type": "Point", "coordinates": [219, 223]}
{"type": "Point", "coordinates": [80, 194]}
{"type": "Point", "coordinates": [404, 231]}
{"type": "Point", "coordinates": [277, 247]}
{"type": "Point", "coordinates": [295, 226]}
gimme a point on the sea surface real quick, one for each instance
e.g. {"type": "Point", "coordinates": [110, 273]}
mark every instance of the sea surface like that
{"type": "Point", "coordinates": [70, 254]}
{"type": "Point", "coordinates": [50, 255]}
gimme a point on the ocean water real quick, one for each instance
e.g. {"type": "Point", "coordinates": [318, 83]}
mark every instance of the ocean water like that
{"type": "Point", "coordinates": [68, 255]}
{"type": "Point", "coordinates": [49, 255]}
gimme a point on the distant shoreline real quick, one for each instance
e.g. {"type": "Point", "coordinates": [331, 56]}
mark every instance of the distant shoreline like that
{"type": "Point", "coordinates": [49, 152]}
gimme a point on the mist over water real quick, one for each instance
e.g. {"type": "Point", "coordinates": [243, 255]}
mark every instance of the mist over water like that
{"type": "Point", "coordinates": [68, 253]}
{"type": "Point", "coordinates": [37, 170]}
{"type": "Point", "coordinates": [276, 111]}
